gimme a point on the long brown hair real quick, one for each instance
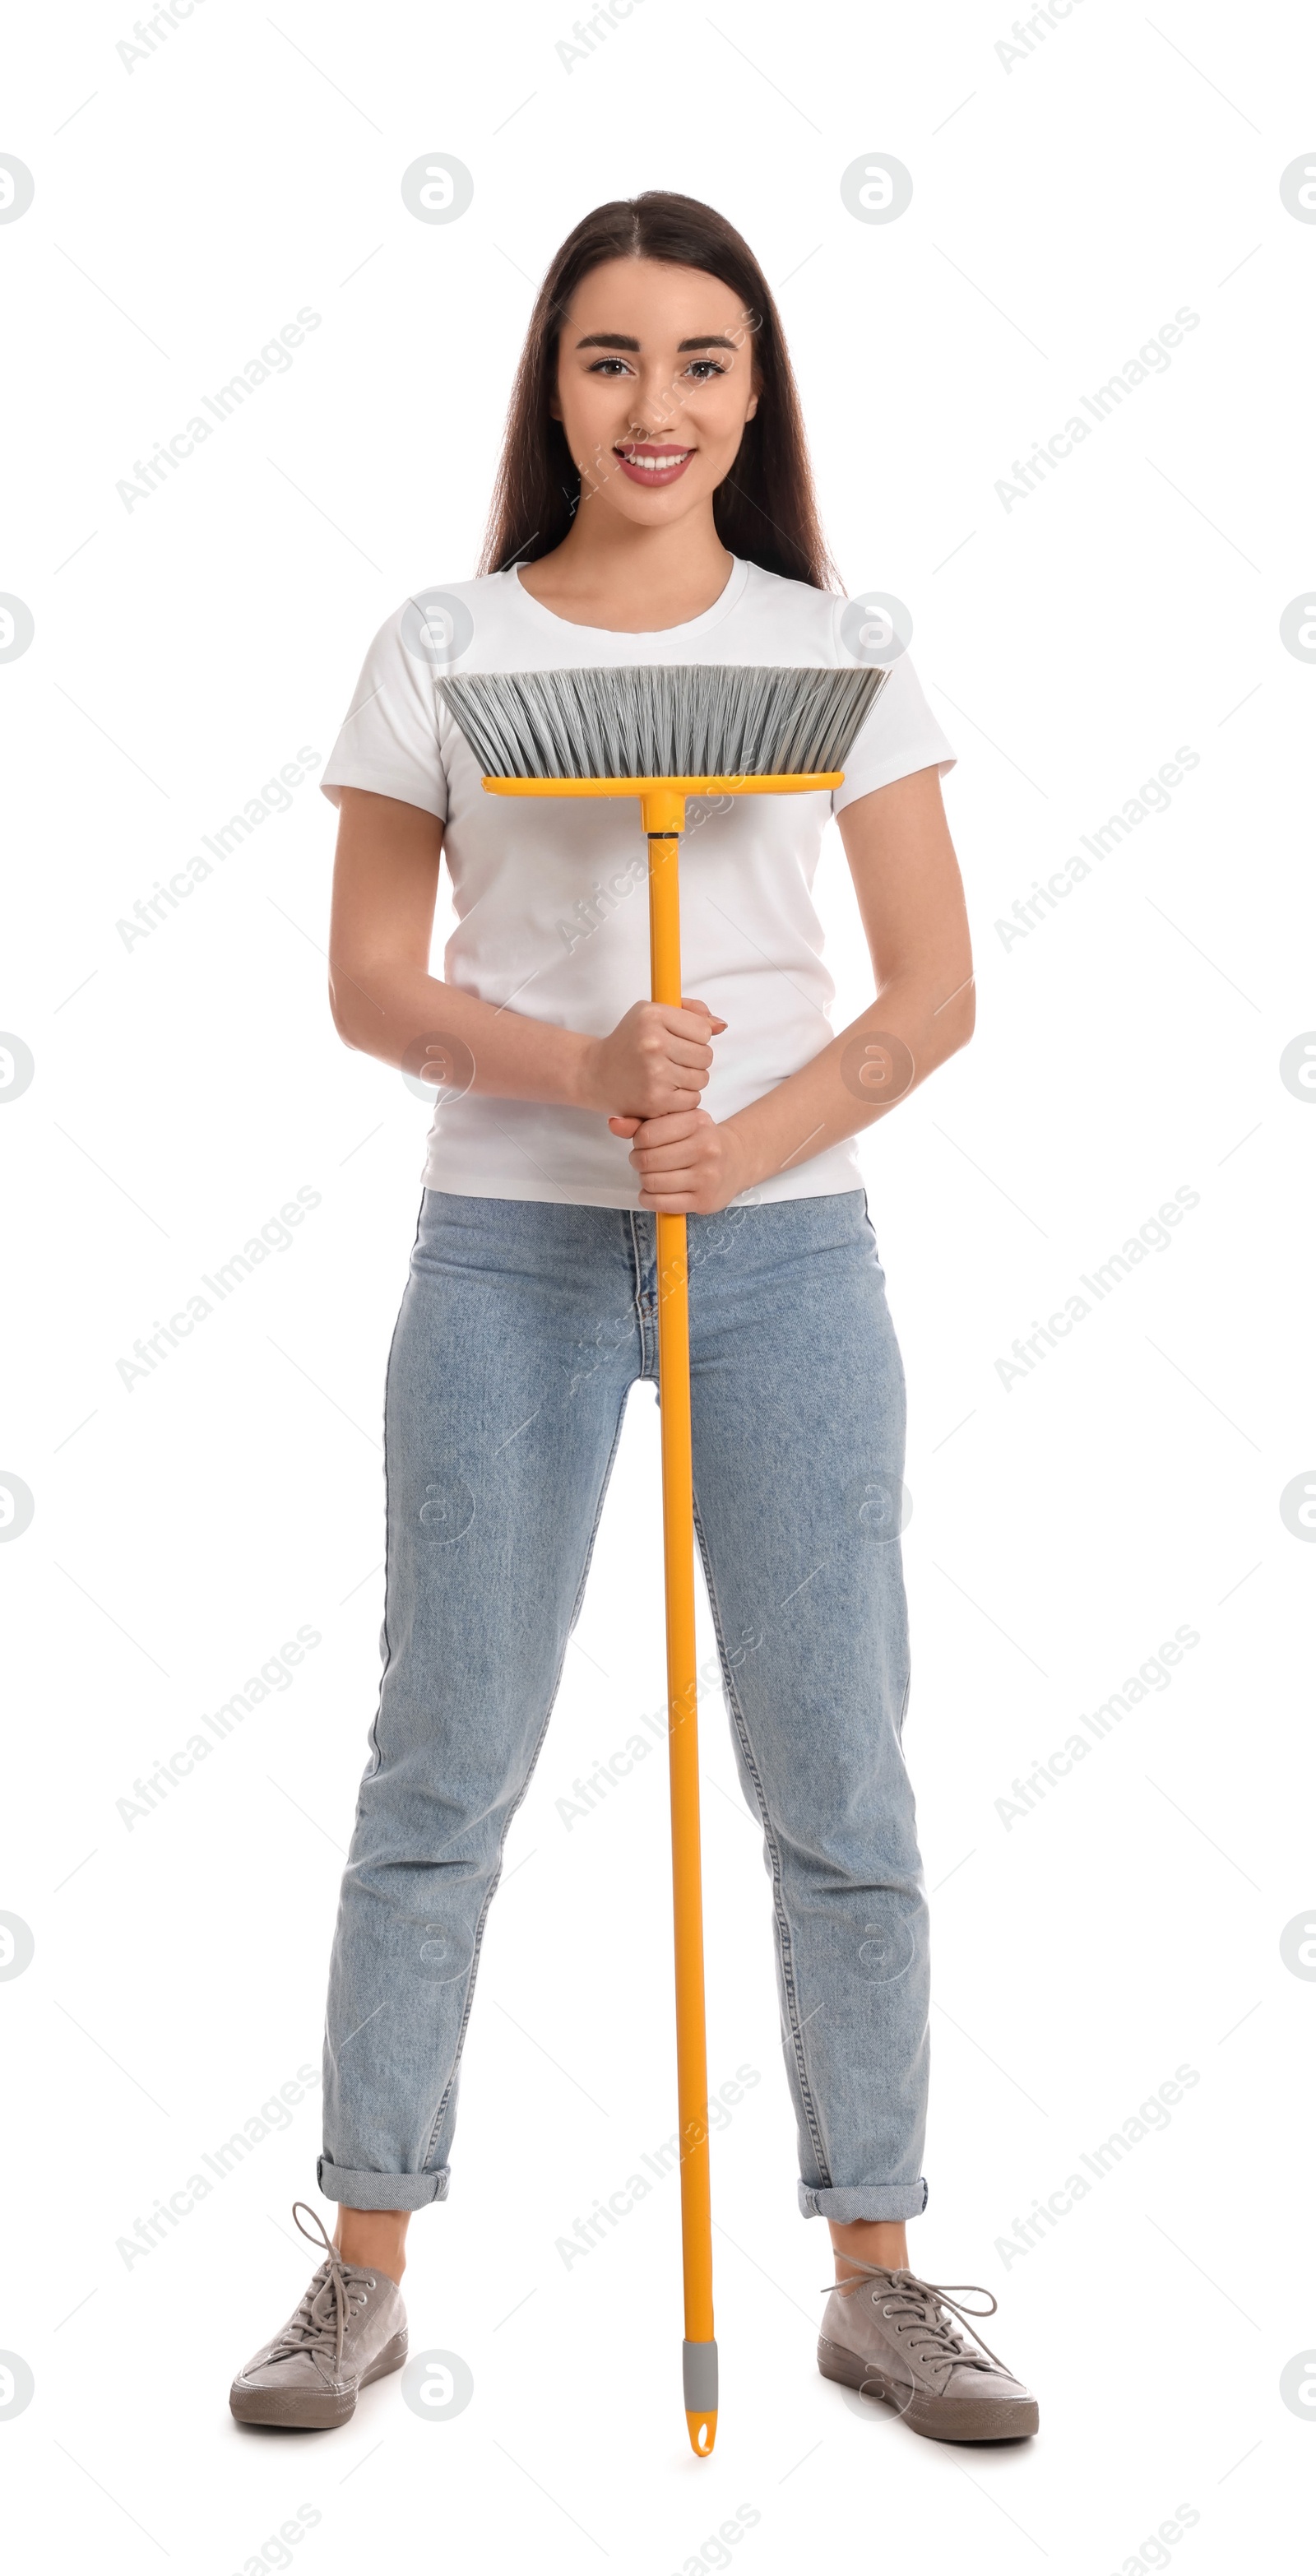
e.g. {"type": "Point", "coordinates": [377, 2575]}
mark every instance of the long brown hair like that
{"type": "Point", "coordinates": [765, 509]}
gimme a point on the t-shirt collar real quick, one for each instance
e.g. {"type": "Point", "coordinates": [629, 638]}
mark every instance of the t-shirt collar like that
{"type": "Point", "coordinates": [691, 628]}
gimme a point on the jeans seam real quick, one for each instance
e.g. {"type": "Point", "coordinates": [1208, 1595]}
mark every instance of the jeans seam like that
{"type": "Point", "coordinates": [778, 1899]}
{"type": "Point", "coordinates": [604, 1482]}
{"type": "Point", "coordinates": [641, 1323]}
{"type": "Point", "coordinates": [373, 1737]}
{"type": "Point", "coordinates": [493, 1886]}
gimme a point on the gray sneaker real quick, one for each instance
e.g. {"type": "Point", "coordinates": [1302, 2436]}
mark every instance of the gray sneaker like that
{"type": "Point", "coordinates": [894, 2337]}
{"type": "Point", "coordinates": [351, 2328]}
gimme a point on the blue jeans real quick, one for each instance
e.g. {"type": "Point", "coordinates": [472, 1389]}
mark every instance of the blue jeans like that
{"type": "Point", "coordinates": [523, 1326]}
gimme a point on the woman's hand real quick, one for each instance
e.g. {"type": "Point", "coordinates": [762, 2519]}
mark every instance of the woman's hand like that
{"type": "Point", "coordinates": [655, 1062]}
{"type": "Point", "coordinates": [688, 1164]}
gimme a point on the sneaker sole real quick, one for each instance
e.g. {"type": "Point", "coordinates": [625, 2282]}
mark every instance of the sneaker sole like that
{"type": "Point", "coordinates": [941, 2419]}
{"type": "Point", "coordinates": [298, 2410]}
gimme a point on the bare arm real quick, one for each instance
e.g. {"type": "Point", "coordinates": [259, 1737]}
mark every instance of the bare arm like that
{"type": "Point", "coordinates": [912, 904]}
{"type": "Point", "coordinates": [385, 1001]}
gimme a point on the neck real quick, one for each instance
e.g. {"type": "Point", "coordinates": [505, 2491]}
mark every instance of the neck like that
{"type": "Point", "coordinates": [608, 572]}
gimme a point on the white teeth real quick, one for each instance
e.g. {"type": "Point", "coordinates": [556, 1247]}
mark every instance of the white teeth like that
{"type": "Point", "coordinates": [661, 464]}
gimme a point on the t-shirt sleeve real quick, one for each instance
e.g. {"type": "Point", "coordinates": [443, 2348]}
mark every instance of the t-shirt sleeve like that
{"type": "Point", "coordinates": [389, 740]}
{"type": "Point", "coordinates": [898, 735]}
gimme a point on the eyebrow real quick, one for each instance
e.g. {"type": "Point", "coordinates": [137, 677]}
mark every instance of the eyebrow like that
{"type": "Point", "coordinates": [622, 340]}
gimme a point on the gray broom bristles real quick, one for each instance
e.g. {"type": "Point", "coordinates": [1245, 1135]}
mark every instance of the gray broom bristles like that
{"type": "Point", "coordinates": [661, 720]}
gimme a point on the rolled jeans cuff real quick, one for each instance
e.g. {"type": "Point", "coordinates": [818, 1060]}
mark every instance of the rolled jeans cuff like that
{"type": "Point", "coordinates": [380, 2190]}
{"type": "Point", "coordinates": [863, 2200]}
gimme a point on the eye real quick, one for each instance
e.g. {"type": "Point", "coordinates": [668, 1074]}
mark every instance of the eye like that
{"type": "Point", "coordinates": [604, 366]}
{"type": "Point", "coordinates": [702, 368]}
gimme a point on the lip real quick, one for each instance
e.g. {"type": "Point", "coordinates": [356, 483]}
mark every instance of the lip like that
{"type": "Point", "coordinates": [652, 477]}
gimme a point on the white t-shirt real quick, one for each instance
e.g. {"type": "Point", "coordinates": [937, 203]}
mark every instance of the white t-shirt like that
{"type": "Point", "coordinates": [551, 894]}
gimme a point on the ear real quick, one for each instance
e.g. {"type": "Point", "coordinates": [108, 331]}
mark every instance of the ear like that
{"type": "Point", "coordinates": [753, 407]}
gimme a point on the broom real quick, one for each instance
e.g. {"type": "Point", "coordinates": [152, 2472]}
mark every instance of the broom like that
{"type": "Point", "coordinates": [663, 732]}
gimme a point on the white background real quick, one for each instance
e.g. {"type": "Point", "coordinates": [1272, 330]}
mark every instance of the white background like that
{"type": "Point", "coordinates": [1064, 207]}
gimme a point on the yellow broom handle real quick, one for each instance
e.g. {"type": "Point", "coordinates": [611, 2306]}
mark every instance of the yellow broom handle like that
{"type": "Point", "coordinates": [683, 1710]}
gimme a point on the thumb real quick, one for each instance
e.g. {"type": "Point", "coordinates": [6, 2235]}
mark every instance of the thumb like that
{"type": "Point", "coordinates": [690, 1003]}
{"type": "Point", "coordinates": [624, 1126]}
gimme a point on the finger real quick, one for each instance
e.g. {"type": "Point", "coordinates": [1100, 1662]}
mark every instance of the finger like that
{"type": "Point", "coordinates": [666, 1185]}
{"type": "Point", "coordinates": [664, 1203]}
{"type": "Point", "coordinates": [670, 1167]}
{"type": "Point", "coordinates": [670, 1106]}
{"type": "Point", "coordinates": [682, 1057]}
{"type": "Point", "coordinates": [690, 1003]}
{"type": "Point", "coordinates": [674, 1128]}
{"type": "Point", "coordinates": [625, 1126]}
{"type": "Point", "coordinates": [689, 1019]}
{"type": "Point", "coordinates": [677, 1103]}
{"type": "Point", "coordinates": [686, 1145]}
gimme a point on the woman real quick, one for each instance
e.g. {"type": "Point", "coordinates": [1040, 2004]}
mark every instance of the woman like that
{"type": "Point", "coordinates": [654, 504]}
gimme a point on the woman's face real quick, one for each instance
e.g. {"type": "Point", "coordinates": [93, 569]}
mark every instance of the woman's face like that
{"type": "Point", "coordinates": [656, 362]}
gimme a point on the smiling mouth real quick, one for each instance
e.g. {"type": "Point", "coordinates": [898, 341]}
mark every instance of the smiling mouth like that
{"type": "Point", "coordinates": [645, 463]}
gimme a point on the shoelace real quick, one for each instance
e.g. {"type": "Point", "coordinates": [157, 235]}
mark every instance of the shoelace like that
{"type": "Point", "coordinates": [321, 2320]}
{"type": "Point", "coordinates": [916, 2307]}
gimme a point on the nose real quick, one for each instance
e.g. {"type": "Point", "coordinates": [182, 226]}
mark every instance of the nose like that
{"type": "Point", "coordinates": [656, 404]}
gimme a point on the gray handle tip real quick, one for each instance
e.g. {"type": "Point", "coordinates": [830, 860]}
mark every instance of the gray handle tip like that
{"type": "Point", "coordinates": [699, 2373]}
